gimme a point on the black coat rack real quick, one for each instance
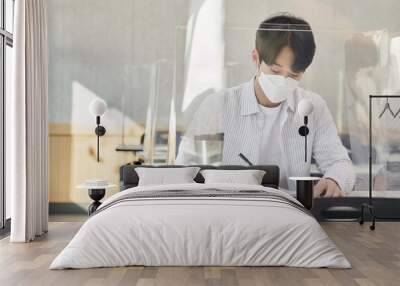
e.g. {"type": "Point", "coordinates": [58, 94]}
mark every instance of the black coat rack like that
{"type": "Point", "coordinates": [369, 206]}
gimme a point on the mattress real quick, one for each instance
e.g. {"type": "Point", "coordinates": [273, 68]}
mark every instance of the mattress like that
{"type": "Point", "coordinates": [201, 225]}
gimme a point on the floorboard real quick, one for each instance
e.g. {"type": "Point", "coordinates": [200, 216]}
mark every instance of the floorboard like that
{"type": "Point", "coordinates": [375, 257]}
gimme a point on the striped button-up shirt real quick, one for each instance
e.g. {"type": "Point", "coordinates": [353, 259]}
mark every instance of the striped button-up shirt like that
{"type": "Point", "coordinates": [235, 113]}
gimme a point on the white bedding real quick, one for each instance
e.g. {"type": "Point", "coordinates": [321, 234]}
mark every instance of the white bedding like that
{"type": "Point", "coordinates": [200, 231]}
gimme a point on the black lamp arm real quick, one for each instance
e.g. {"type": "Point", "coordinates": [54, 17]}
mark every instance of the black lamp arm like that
{"type": "Point", "coordinates": [303, 131]}
{"type": "Point", "coordinates": [100, 131]}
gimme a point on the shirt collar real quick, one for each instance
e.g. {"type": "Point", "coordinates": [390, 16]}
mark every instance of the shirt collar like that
{"type": "Point", "coordinates": [249, 104]}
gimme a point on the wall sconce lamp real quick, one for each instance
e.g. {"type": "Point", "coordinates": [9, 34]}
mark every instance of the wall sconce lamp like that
{"type": "Point", "coordinates": [98, 107]}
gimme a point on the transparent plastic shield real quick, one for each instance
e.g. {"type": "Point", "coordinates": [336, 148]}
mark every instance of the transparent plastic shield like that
{"type": "Point", "coordinates": [348, 66]}
{"type": "Point", "coordinates": [147, 96]}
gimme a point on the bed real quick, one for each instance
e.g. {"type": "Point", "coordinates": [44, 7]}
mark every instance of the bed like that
{"type": "Point", "coordinates": [201, 224]}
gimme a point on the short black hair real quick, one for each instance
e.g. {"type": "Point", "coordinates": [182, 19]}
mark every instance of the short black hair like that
{"type": "Point", "coordinates": [283, 30]}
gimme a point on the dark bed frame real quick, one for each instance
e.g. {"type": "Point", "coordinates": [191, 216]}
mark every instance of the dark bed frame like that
{"type": "Point", "coordinates": [346, 208]}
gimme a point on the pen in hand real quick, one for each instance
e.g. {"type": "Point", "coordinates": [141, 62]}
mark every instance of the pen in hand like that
{"type": "Point", "coordinates": [245, 159]}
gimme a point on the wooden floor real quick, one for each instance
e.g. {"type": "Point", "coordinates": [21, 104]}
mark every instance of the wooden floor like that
{"type": "Point", "coordinates": [375, 257]}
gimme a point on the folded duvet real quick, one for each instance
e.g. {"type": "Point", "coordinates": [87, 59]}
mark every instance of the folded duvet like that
{"type": "Point", "coordinates": [203, 225]}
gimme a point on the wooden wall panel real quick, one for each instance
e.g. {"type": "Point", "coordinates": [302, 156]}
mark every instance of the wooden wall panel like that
{"type": "Point", "coordinates": [72, 159]}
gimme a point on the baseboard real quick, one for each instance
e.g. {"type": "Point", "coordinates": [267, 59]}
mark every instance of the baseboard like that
{"type": "Point", "coordinates": [347, 208]}
{"type": "Point", "coordinates": [67, 209]}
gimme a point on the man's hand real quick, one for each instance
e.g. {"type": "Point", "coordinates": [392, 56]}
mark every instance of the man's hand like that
{"type": "Point", "coordinates": [327, 188]}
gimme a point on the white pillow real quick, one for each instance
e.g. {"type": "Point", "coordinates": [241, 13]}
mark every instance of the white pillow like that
{"type": "Point", "coordinates": [248, 177]}
{"type": "Point", "coordinates": [164, 176]}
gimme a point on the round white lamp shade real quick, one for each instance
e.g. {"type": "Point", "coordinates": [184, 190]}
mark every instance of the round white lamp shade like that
{"type": "Point", "coordinates": [305, 107]}
{"type": "Point", "coordinates": [97, 107]}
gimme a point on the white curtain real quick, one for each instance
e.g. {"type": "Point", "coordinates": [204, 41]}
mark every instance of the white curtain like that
{"type": "Point", "coordinates": [27, 129]}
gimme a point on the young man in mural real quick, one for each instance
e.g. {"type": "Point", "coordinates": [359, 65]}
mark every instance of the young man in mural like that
{"type": "Point", "coordinates": [260, 118]}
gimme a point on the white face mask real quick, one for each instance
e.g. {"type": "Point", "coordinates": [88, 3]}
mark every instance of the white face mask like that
{"type": "Point", "coordinates": [276, 87]}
